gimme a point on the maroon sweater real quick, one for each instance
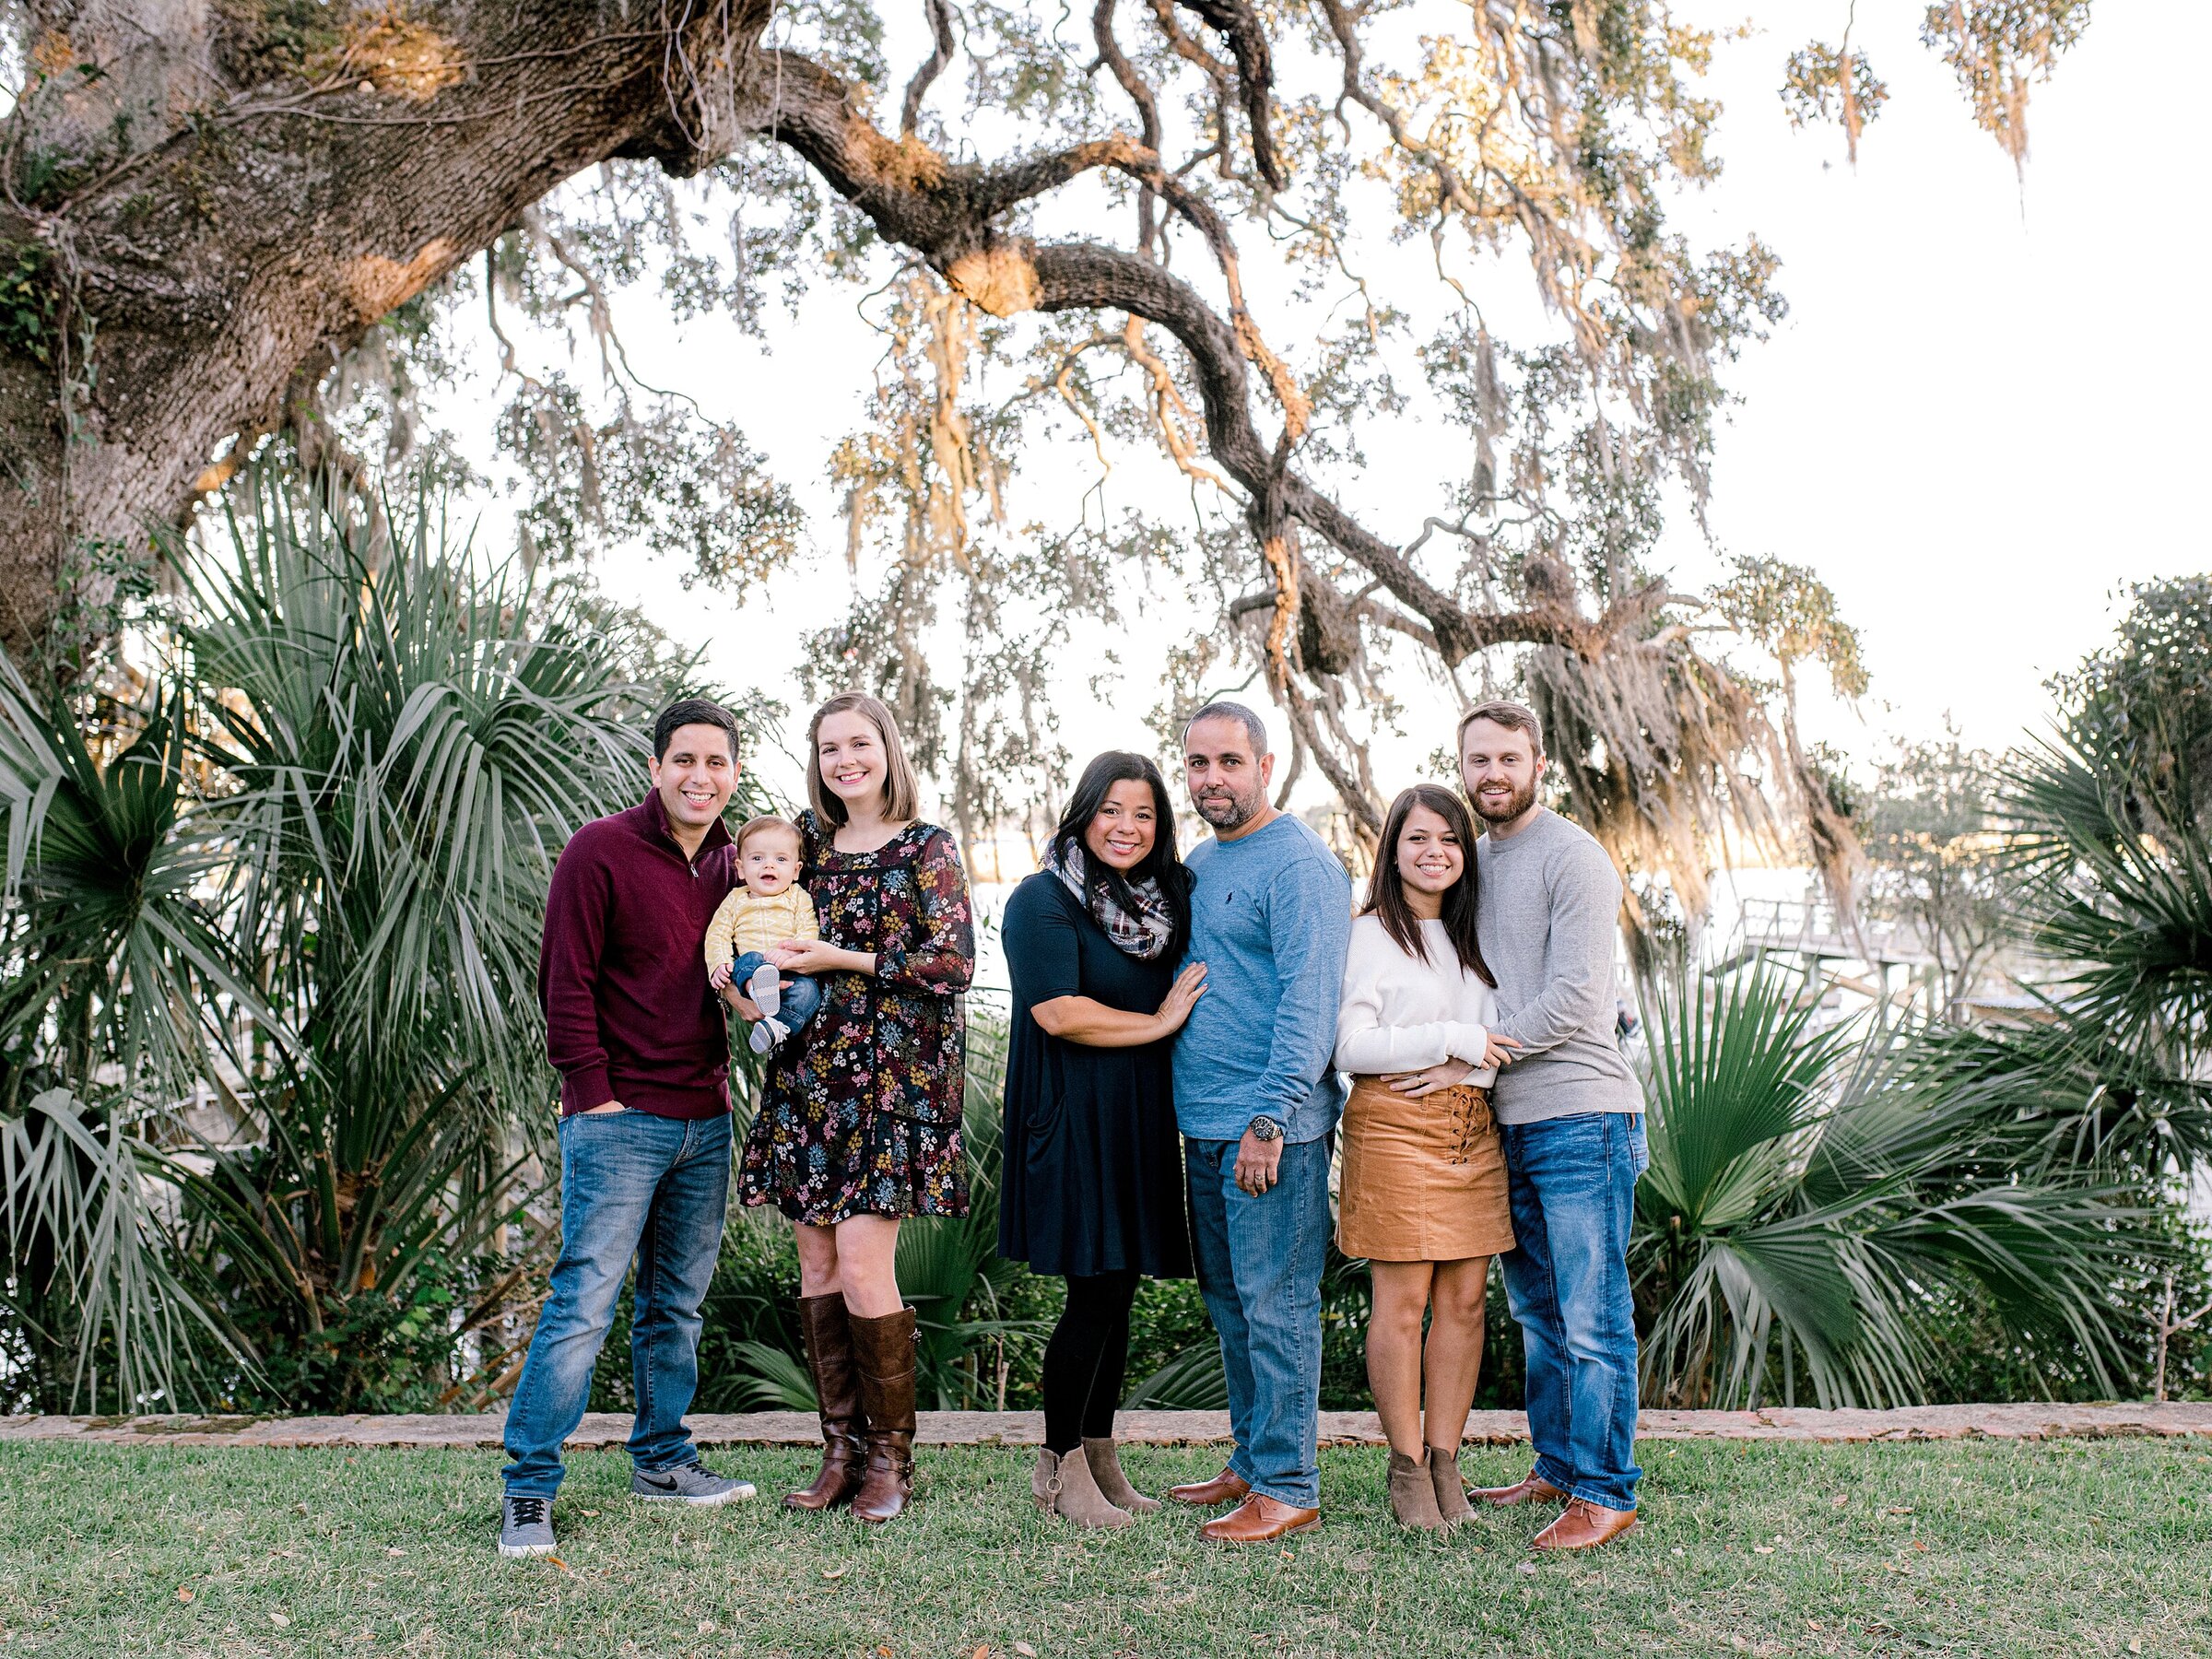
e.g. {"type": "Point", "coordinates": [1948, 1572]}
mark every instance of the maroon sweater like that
{"type": "Point", "coordinates": [622, 973]}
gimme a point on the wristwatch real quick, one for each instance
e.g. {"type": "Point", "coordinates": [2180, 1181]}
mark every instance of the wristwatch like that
{"type": "Point", "coordinates": [1263, 1129]}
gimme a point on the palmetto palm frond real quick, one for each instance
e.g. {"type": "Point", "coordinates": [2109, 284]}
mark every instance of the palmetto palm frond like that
{"type": "Point", "coordinates": [85, 1245]}
{"type": "Point", "coordinates": [414, 746]}
{"type": "Point", "coordinates": [2112, 848]}
{"type": "Point", "coordinates": [1807, 1204]}
{"type": "Point", "coordinates": [112, 940]}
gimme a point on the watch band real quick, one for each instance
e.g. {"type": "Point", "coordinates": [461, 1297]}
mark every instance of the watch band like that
{"type": "Point", "coordinates": [1254, 1128]}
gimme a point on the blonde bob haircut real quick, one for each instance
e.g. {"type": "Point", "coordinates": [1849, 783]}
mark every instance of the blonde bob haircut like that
{"type": "Point", "coordinates": [901, 788]}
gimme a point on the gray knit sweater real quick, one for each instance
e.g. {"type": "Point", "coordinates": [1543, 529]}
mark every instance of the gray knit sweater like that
{"type": "Point", "coordinates": [1550, 907]}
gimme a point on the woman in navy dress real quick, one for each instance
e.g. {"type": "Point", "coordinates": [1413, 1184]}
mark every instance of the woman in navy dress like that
{"type": "Point", "coordinates": [1092, 1187]}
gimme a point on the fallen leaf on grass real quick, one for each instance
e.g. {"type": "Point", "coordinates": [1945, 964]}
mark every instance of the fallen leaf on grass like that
{"type": "Point", "coordinates": [1025, 1649]}
{"type": "Point", "coordinates": [561, 1564]}
{"type": "Point", "coordinates": [1762, 1550]}
{"type": "Point", "coordinates": [279, 1620]}
{"type": "Point", "coordinates": [706, 1627]}
{"type": "Point", "coordinates": [182, 1594]}
{"type": "Point", "coordinates": [835, 1572]}
{"type": "Point", "coordinates": [1839, 1500]}
{"type": "Point", "coordinates": [981, 1653]}
{"type": "Point", "coordinates": [2134, 1647]}
{"type": "Point", "coordinates": [1906, 1510]}
{"type": "Point", "coordinates": [394, 1550]}
{"type": "Point", "coordinates": [590, 1511]}
{"type": "Point", "coordinates": [1526, 1567]}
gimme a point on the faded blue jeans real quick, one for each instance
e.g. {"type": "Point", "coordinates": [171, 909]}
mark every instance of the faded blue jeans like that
{"type": "Point", "coordinates": [797, 997]}
{"type": "Point", "coordinates": [1573, 1185]}
{"type": "Point", "coordinates": [631, 1184]}
{"type": "Point", "coordinates": [1259, 1269]}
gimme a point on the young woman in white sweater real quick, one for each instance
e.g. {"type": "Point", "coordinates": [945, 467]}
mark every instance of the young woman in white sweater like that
{"type": "Point", "coordinates": [1423, 1192]}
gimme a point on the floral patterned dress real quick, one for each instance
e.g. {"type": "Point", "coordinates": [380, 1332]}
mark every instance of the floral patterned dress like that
{"type": "Point", "coordinates": [861, 1115]}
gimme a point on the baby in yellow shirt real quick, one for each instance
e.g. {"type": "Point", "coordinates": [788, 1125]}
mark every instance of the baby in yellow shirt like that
{"type": "Point", "coordinates": [755, 921]}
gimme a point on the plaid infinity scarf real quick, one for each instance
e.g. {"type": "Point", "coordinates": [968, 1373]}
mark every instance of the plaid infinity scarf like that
{"type": "Point", "coordinates": [1143, 936]}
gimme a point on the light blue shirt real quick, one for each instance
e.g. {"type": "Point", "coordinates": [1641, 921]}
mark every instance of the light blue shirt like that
{"type": "Point", "coordinates": [1271, 918]}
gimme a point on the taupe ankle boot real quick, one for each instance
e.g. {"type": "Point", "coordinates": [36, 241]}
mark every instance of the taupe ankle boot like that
{"type": "Point", "coordinates": [883, 1354]}
{"type": "Point", "coordinates": [1451, 1490]}
{"type": "Point", "coordinates": [1413, 1493]}
{"type": "Point", "coordinates": [1062, 1486]}
{"type": "Point", "coordinates": [1105, 1459]}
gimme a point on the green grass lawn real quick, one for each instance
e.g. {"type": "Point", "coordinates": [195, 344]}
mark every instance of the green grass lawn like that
{"type": "Point", "coordinates": [2073, 1548]}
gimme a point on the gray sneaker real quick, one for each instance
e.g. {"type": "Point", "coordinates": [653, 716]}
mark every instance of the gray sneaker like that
{"type": "Point", "coordinates": [526, 1526]}
{"type": "Point", "coordinates": [688, 1483]}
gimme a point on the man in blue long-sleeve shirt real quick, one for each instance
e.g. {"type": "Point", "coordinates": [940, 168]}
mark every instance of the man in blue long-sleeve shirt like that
{"type": "Point", "coordinates": [1257, 1101]}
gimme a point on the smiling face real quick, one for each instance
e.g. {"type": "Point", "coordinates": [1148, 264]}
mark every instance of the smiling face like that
{"type": "Point", "coordinates": [770, 861]}
{"type": "Point", "coordinates": [1499, 766]}
{"type": "Point", "coordinates": [1429, 858]}
{"type": "Point", "coordinates": [1123, 830]}
{"type": "Point", "coordinates": [1228, 782]}
{"type": "Point", "coordinates": [695, 776]}
{"type": "Point", "coordinates": [848, 750]}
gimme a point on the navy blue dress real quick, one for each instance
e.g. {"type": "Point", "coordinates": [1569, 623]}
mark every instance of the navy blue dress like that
{"type": "Point", "coordinates": [1092, 1181]}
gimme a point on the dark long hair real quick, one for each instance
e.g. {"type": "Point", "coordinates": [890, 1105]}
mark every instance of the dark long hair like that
{"type": "Point", "coordinates": [1386, 887]}
{"type": "Point", "coordinates": [1163, 864]}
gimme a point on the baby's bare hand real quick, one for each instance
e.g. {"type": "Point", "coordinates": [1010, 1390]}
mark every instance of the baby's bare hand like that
{"type": "Point", "coordinates": [719, 976]}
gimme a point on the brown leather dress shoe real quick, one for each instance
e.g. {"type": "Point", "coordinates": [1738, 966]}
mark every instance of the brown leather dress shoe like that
{"type": "Point", "coordinates": [1259, 1521]}
{"type": "Point", "coordinates": [1532, 1487]}
{"type": "Point", "coordinates": [1585, 1526]}
{"type": "Point", "coordinates": [1224, 1488]}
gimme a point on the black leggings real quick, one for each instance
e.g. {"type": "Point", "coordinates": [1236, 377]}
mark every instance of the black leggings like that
{"type": "Point", "coordinates": [1085, 1360]}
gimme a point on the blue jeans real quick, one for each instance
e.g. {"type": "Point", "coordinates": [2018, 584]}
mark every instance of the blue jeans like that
{"type": "Point", "coordinates": [1572, 1186]}
{"type": "Point", "coordinates": [631, 1184]}
{"type": "Point", "coordinates": [1259, 1269]}
{"type": "Point", "coordinates": [799, 998]}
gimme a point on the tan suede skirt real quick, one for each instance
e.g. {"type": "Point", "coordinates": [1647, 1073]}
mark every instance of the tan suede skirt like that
{"type": "Point", "coordinates": [1423, 1180]}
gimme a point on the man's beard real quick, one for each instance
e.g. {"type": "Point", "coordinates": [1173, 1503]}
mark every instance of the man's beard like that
{"type": "Point", "coordinates": [1232, 813]}
{"type": "Point", "coordinates": [1519, 801]}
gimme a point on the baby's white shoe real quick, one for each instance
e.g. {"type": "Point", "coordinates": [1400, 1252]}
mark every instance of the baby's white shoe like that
{"type": "Point", "coordinates": [766, 988]}
{"type": "Point", "coordinates": [766, 1034]}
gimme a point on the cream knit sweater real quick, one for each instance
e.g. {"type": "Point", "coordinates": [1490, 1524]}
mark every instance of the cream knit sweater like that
{"type": "Point", "coordinates": [747, 921]}
{"type": "Point", "coordinates": [1401, 1014]}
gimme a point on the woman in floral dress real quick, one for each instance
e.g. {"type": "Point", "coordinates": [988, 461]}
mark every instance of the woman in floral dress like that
{"type": "Point", "coordinates": [860, 1120]}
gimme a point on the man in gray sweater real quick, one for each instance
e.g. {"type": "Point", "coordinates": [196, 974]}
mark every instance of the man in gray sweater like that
{"type": "Point", "coordinates": [1571, 1115]}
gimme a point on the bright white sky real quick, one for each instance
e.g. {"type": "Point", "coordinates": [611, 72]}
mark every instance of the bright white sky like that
{"type": "Point", "coordinates": [1975, 424]}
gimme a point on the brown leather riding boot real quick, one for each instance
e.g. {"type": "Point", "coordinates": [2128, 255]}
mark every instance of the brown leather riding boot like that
{"type": "Point", "coordinates": [884, 1351]}
{"type": "Point", "coordinates": [827, 1334]}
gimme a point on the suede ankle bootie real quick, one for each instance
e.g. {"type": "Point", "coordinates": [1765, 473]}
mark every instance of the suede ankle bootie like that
{"type": "Point", "coordinates": [1063, 1486]}
{"type": "Point", "coordinates": [1413, 1493]}
{"type": "Point", "coordinates": [883, 1351]}
{"type": "Point", "coordinates": [827, 1334]}
{"type": "Point", "coordinates": [1451, 1490]}
{"type": "Point", "coordinates": [1105, 1457]}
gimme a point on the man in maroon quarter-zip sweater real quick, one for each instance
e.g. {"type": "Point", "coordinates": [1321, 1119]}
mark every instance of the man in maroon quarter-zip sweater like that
{"type": "Point", "coordinates": [638, 1038]}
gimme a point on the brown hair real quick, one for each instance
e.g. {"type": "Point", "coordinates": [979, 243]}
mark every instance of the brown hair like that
{"type": "Point", "coordinates": [762, 825]}
{"type": "Point", "coordinates": [1386, 888]}
{"type": "Point", "coordinates": [1513, 716]}
{"type": "Point", "coordinates": [901, 788]}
